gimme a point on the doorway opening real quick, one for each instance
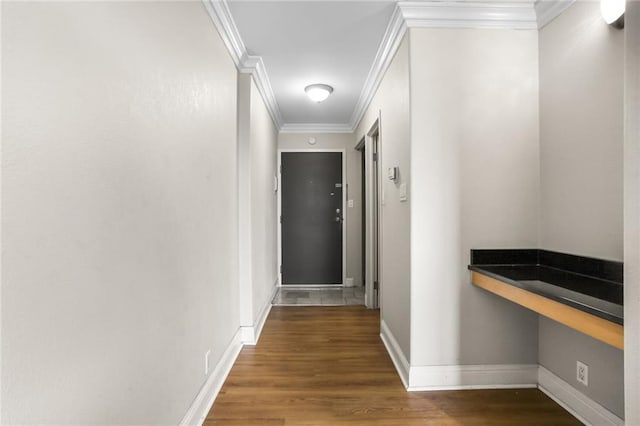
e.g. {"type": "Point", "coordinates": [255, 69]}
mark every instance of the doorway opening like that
{"type": "Point", "coordinates": [369, 148]}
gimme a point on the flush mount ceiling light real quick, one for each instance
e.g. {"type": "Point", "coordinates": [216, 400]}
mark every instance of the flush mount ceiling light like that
{"type": "Point", "coordinates": [613, 12]}
{"type": "Point", "coordinates": [318, 92]}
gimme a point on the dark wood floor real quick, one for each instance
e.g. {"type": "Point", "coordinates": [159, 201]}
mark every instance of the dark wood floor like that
{"type": "Point", "coordinates": [328, 366]}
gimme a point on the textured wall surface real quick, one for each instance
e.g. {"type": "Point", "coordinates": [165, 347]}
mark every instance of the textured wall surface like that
{"type": "Point", "coordinates": [475, 183]}
{"type": "Point", "coordinates": [119, 226]}
{"type": "Point", "coordinates": [264, 141]}
{"type": "Point", "coordinates": [392, 105]}
{"type": "Point", "coordinates": [632, 214]}
{"type": "Point", "coordinates": [581, 171]}
{"type": "Point", "coordinates": [581, 134]}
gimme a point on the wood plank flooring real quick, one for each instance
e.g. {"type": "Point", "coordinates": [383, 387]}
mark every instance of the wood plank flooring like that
{"type": "Point", "coordinates": [327, 366]}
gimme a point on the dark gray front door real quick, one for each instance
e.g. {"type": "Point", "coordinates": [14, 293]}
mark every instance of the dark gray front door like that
{"type": "Point", "coordinates": [312, 214]}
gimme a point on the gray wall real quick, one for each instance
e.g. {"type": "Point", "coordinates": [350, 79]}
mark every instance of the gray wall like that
{"type": "Point", "coordinates": [581, 142]}
{"type": "Point", "coordinates": [353, 215]}
{"type": "Point", "coordinates": [119, 210]}
{"type": "Point", "coordinates": [561, 346]}
{"type": "Point", "coordinates": [581, 134]}
{"type": "Point", "coordinates": [475, 184]}
{"type": "Point", "coordinates": [392, 104]}
{"type": "Point", "coordinates": [632, 213]}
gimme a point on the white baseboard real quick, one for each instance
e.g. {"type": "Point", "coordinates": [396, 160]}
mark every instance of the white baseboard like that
{"type": "Point", "coordinates": [201, 406]}
{"type": "Point", "coordinates": [454, 377]}
{"type": "Point", "coordinates": [251, 334]}
{"type": "Point", "coordinates": [395, 352]}
{"type": "Point", "coordinates": [451, 377]}
{"type": "Point", "coordinates": [581, 406]}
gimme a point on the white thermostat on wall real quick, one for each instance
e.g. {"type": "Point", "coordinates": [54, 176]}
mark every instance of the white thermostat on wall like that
{"type": "Point", "coordinates": [392, 173]}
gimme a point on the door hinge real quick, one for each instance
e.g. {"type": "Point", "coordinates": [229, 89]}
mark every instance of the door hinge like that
{"type": "Point", "coordinates": [280, 268]}
{"type": "Point", "coordinates": [375, 156]}
{"type": "Point", "coordinates": [375, 285]}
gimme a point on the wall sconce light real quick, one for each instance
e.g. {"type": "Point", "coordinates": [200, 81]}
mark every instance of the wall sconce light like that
{"type": "Point", "coordinates": [318, 92]}
{"type": "Point", "coordinates": [613, 12]}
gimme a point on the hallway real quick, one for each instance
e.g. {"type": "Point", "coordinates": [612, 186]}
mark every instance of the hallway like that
{"type": "Point", "coordinates": [328, 366]}
{"type": "Point", "coordinates": [144, 210]}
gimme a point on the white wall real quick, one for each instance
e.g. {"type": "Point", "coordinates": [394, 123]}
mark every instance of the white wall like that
{"type": "Point", "coordinates": [581, 167]}
{"type": "Point", "coordinates": [353, 215]}
{"type": "Point", "coordinates": [257, 209]}
{"type": "Point", "coordinates": [264, 140]}
{"type": "Point", "coordinates": [581, 133]}
{"type": "Point", "coordinates": [245, 222]}
{"type": "Point", "coordinates": [119, 210]}
{"type": "Point", "coordinates": [474, 162]}
{"type": "Point", "coordinates": [391, 103]}
{"type": "Point", "coordinates": [632, 214]}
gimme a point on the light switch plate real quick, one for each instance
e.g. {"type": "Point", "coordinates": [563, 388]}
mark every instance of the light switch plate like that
{"type": "Point", "coordinates": [403, 192]}
{"type": "Point", "coordinates": [350, 203]}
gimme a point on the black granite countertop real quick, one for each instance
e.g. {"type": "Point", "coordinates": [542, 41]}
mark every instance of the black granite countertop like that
{"type": "Point", "coordinates": [590, 285]}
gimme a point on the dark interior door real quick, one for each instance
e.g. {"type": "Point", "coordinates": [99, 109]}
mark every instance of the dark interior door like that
{"type": "Point", "coordinates": [312, 216]}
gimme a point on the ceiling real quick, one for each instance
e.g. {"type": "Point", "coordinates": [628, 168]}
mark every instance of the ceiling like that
{"type": "Point", "coordinates": [306, 42]}
{"type": "Point", "coordinates": [289, 44]}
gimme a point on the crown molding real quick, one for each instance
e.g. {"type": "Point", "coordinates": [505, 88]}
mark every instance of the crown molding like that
{"type": "Point", "coordinates": [253, 65]}
{"type": "Point", "coordinates": [316, 128]}
{"type": "Point", "coordinates": [391, 40]}
{"type": "Point", "coordinates": [457, 14]}
{"type": "Point", "coordinates": [220, 14]}
{"type": "Point", "coordinates": [548, 10]}
{"type": "Point", "coordinates": [438, 14]}
{"type": "Point", "coordinates": [527, 15]}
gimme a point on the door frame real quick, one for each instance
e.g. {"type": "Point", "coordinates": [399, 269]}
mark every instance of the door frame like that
{"type": "Point", "coordinates": [344, 215]}
{"type": "Point", "coordinates": [373, 219]}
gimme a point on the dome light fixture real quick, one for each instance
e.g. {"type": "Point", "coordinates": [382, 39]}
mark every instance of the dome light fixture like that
{"type": "Point", "coordinates": [318, 92]}
{"type": "Point", "coordinates": [613, 12]}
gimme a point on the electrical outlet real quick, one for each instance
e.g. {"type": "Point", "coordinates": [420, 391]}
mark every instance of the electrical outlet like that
{"type": "Point", "coordinates": [582, 373]}
{"type": "Point", "coordinates": [206, 363]}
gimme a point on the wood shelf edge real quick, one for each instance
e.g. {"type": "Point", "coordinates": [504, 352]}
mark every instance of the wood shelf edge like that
{"type": "Point", "coordinates": [596, 327]}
